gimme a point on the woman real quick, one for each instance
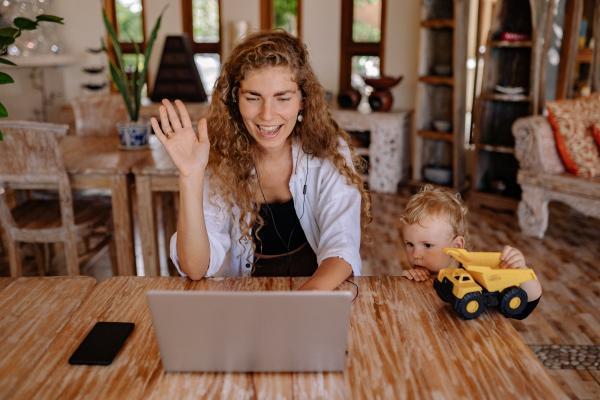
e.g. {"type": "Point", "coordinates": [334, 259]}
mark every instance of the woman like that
{"type": "Point", "coordinates": [267, 186]}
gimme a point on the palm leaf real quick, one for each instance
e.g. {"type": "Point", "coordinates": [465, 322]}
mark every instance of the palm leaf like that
{"type": "Point", "coordinates": [149, 45]}
{"type": "Point", "coordinates": [122, 87]}
{"type": "Point", "coordinates": [113, 40]}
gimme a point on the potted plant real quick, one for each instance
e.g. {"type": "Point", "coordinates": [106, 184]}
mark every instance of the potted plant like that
{"type": "Point", "coordinates": [8, 35]}
{"type": "Point", "coordinates": [133, 134]}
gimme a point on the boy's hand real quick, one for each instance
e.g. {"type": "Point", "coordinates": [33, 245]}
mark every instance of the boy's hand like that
{"type": "Point", "coordinates": [417, 274]}
{"type": "Point", "coordinates": [512, 258]}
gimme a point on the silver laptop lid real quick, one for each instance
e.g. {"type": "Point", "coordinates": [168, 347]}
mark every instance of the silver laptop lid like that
{"type": "Point", "coordinates": [251, 331]}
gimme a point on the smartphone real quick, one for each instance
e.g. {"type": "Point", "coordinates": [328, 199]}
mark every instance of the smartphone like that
{"type": "Point", "coordinates": [102, 343]}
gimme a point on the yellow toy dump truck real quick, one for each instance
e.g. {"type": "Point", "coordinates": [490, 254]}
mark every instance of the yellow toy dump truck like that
{"type": "Point", "coordinates": [479, 283]}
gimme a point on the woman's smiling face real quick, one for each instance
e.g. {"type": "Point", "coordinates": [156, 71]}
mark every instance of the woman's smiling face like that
{"type": "Point", "coordinates": [269, 103]}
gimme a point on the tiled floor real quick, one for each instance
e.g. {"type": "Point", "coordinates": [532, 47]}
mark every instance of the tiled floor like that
{"type": "Point", "coordinates": [565, 328]}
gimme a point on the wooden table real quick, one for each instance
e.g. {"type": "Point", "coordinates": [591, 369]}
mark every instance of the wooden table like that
{"type": "Point", "coordinates": [403, 343]}
{"type": "Point", "coordinates": [156, 173]}
{"type": "Point", "coordinates": [96, 162]}
{"type": "Point", "coordinates": [32, 312]}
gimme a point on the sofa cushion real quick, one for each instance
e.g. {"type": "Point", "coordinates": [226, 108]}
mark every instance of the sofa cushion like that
{"type": "Point", "coordinates": [596, 133]}
{"type": "Point", "coordinates": [550, 160]}
{"type": "Point", "coordinates": [572, 123]}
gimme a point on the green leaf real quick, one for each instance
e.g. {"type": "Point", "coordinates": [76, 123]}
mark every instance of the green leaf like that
{"type": "Point", "coordinates": [5, 41]}
{"type": "Point", "coordinates": [1, 136]}
{"type": "Point", "coordinates": [5, 78]}
{"type": "Point", "coordinates": [122, 87]}
{"type": "Point", "coordinates": [49, 18]}
{"type": "Point", "coordinates": [148, 52]}
{"type": "Point", "coordinates": [9, 31]}
{"type": "Point", "coordinates": [5, 61]}
{"type": "Point", "coordinates": [113, 40]}
{"type": "Point", "coordinates": [3, 112]}
{"type": "Point", "coordinates": [25, 24]}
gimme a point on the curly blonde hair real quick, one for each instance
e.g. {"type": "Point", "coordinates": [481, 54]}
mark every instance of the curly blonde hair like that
{"type": "Point", "coordinates": [434, 201]}
{"type": "Point", "coordinates": [232, 148]}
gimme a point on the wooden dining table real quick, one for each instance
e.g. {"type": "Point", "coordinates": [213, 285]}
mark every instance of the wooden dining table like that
{"type": "Point", "coordinates": [97, 162]}
{"type": "Point", "coordinates": [403, 343]}
{"type": "Point", "coordinates": [156, 173]}
{"type": "Point", "coordinates": [32, 312]}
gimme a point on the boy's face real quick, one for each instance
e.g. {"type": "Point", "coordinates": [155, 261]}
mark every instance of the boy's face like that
{"type": "Point", "coordinates": [425, 241]}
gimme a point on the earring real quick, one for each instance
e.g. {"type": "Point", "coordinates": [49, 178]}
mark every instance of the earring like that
{"type": "Point", "coordinates": [300, 117]}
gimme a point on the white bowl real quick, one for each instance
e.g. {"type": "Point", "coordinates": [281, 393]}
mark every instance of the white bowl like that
{"type": "Point", "coordinates": [438, 175]}
{"type": "Point", "coordinates": [442, 125]}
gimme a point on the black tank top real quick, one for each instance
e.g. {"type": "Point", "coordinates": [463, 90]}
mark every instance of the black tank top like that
{"type": "Point", "coordinates": [281, 234]}
{"type": "Point", "coordinates": [281, 231]}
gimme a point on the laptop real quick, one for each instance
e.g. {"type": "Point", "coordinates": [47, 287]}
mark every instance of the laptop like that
{"type": "Point", "coordinates": [251, 331]}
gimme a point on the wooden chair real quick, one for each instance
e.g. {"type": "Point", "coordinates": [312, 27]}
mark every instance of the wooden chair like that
{"type": "Point", "coordinates": [30, 158]}
{"type": "Point", "coordinates": [98, 114]}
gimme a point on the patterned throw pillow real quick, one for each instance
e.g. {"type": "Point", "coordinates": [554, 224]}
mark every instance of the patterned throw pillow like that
{"type": "Point", "coordinates": [596, 133]}
{"type": "Point", "coordinates": [572, 122]}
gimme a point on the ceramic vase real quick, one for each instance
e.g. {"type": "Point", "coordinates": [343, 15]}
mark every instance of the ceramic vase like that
{"type": "Point", "coordinates": [133, 135]}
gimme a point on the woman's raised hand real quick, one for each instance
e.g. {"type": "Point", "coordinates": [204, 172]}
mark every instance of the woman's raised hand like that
{"type": "Point", "coordinates": [188, 150]}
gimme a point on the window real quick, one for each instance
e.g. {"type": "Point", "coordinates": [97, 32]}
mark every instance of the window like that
{"type": "Point", "coordinates": [282, 14]}
{"type": "Point", "coordinates": [363, 28]}
{"type": "Point", "coordinates": [128, 18]}
{"type": "Point", "coordinates": [202, 23]}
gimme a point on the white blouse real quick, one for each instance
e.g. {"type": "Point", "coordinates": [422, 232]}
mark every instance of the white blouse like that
{"type": "Point", "coordinates": [329, 213]}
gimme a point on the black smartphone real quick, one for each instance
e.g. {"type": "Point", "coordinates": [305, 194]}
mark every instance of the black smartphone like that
{"type": "Point", "coordinates": [102, 343]}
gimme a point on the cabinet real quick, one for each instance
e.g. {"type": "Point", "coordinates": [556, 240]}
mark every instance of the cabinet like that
{"type": "Point", "coordinates": [512, 75]}
{"type": "Point", "coordinates": [438, 135]}
{"type": "Point", "coordinates": [381, 138]}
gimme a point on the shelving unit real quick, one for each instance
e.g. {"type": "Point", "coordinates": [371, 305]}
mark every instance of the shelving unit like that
{"type": "Point", "coordinates": [579, 71]}
{"type": "Point", "coordinates": [508, 65]}
{"type": "Point", "coordinates": [441, 93]}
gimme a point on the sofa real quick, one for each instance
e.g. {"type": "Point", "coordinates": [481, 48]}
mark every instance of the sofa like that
{"type": "Point", "coordinates": [544, 178]}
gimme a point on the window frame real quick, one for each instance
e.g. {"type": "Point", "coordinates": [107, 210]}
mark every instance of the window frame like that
{"type": "Point", "coordinates": [349, 48]}
{"type": "Point", "coordinates": [267, 15]}
{"type": "Point", "coordinates": [127, 47]}
{"type": "Point", "coordinates": [187, 24]}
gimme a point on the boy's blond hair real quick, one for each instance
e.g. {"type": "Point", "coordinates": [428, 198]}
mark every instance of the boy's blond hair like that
{"type": "Point", "coordinates": [432, 201]}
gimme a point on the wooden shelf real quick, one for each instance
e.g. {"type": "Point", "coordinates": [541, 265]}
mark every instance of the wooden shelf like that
{"type": "Point", "coordinates": [512, 98]}
{"type": "Point", "coordinates": [362, 151]}
{"type": "Point", "coordinates": [510, 44]}
{"type": "Point", "coordinates": [436, 135]}
{"type": "Point", "coordinates": [419, 184]}
{"type": "Point", "coordinates": [493, 200]}
{"type": "Point", "coordinates": [495, 148]}
{"type": "Point", "coordinates": [584, 56]}
{"type": "Point", "coordinates": [437, 80]}
{"type": "Point", "coordinates": [515, 67]}
{"type": "Point", "coordinates": [443, 43]}
{"type": "Point", "coordinates": [438, 23]}
{"type": "Point", "coordinates": [46, 60]}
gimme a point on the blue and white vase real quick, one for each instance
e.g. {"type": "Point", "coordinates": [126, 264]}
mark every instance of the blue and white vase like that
{"type": "Point", "coordinates": [133, 134]}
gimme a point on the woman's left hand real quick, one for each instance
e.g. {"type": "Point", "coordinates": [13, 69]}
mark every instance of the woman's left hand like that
{"type": "Point", "coordinates": [512, 258]}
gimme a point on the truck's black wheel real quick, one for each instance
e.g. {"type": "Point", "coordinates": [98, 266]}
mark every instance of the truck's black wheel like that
{"type": "Point", "coordinates": [471, 306]}
{"type": "Point", "coordinates": [513, 301]}
{"type": "Point", "coordinates": [444, 289]}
